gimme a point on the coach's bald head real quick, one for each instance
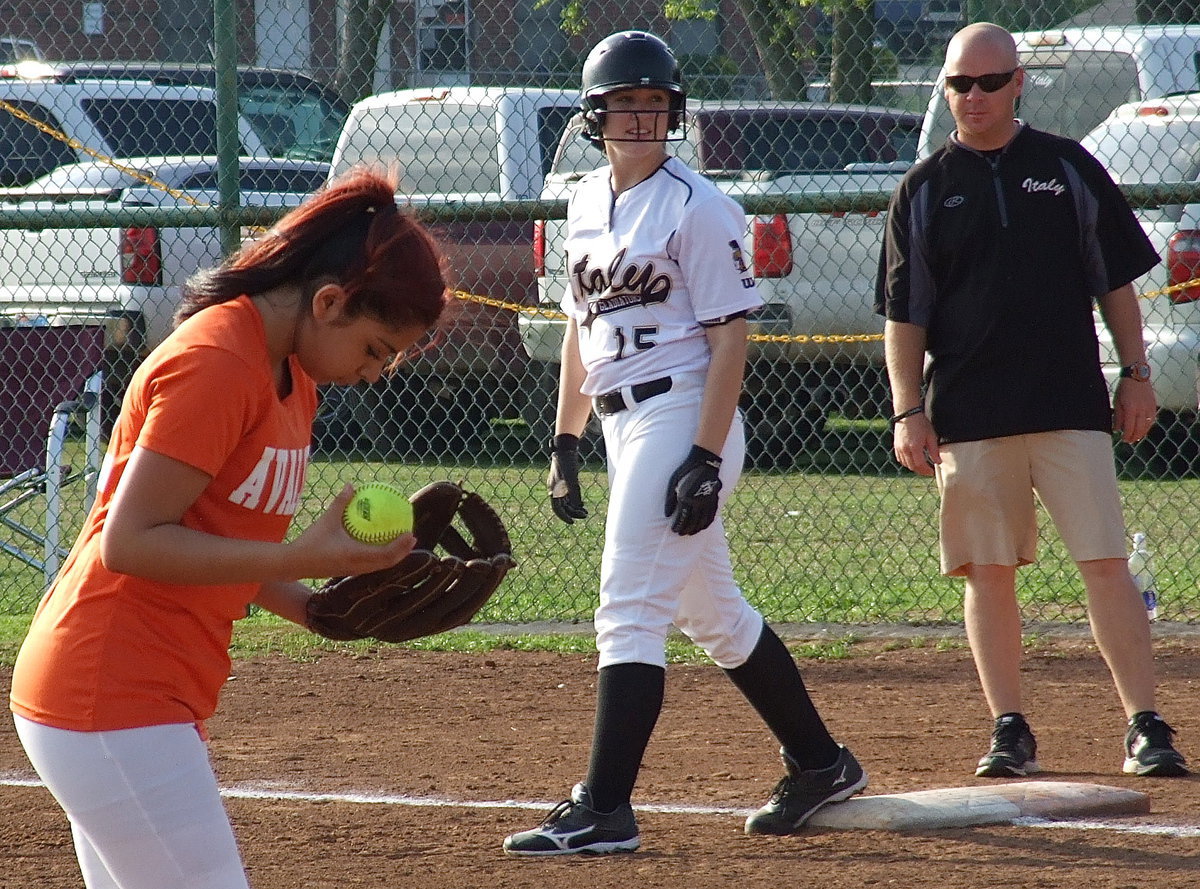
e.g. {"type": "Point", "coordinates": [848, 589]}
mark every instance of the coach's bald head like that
{"type": "Point", "coordinates": [981, 39]}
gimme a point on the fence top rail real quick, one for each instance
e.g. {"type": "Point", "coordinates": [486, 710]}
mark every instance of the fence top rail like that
{"type": "Point", "coordinates": [468, 211]}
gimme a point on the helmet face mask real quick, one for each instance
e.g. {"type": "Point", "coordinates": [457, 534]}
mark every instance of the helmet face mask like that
{"type": "Point", "coordinates": [596, 116]}
{"type": "Point", "coordinates": [628, 60]}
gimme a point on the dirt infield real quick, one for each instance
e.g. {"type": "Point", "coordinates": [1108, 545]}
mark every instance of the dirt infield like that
{"type": "Point", "coordinates": [503, 726]}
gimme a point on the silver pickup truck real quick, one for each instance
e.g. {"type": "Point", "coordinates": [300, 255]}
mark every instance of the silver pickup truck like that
{"type": "Point", "coordinates": [815, 349]}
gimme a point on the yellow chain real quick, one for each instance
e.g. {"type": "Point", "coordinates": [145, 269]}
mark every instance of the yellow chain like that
{"type": "Point", "coordinates": [762, 337]}
{"type": "Point", "coordinates": [1167, 291]}
{"type": "Point", "coordinates": [462, 294]}
{"type": "Point", "coordinates": [111, 161]}
{"type": "Point", "coordinates": [79, 146]}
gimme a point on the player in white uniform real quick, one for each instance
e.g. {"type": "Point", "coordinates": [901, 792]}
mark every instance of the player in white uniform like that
{"type": "Point", "coordinates": [656, 345]}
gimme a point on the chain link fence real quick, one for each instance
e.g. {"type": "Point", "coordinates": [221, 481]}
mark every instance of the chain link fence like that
{"type": "Point", "coordinates": [138, 142]}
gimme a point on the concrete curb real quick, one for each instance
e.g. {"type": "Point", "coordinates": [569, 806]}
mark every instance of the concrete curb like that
{"type": "Point", "coordinates": [798, 632]}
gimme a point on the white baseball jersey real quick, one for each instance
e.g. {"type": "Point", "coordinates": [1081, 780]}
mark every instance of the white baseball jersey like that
{"type": "Point", "coordinates": [646, 268]}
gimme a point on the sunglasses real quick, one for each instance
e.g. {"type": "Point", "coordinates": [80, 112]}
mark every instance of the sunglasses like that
{"type": "Point", "coordinates": [989, 83]}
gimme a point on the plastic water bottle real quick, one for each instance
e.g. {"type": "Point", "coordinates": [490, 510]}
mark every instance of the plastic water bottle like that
{"type": "Point", "coordinates": [1143, 575]}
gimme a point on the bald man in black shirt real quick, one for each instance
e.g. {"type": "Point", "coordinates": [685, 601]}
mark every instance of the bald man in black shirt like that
{"type": "Point", "coordinates": [996, 248]}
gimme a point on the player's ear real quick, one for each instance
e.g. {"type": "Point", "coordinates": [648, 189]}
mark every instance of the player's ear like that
{"type": "Point", "coordinates": [329, 302]}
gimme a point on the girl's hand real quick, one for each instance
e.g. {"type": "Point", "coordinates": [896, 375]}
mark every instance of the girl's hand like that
{"type": "Point", "coordinates": [325, 549]}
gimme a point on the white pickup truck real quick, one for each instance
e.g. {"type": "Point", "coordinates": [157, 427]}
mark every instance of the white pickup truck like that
{"type": "Point", "coordinates": [128, 276]}
{"type": "Point", "coordinates": [1156, 142]}
{"type": "Point", "coordinates": [457, 146]}
{"type": "Point", "coordinates": [1075, 76]}
{"type": "Point", "coordinates": [816, 271]}
{"type": "Point", "coordinates": [88, 271]}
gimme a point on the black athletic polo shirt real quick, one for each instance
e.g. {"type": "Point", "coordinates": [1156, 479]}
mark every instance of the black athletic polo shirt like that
{"type": "Point", "coordinates": [1000, 257]}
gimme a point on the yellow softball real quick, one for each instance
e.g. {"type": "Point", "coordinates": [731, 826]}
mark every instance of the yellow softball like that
{"type": "Point", "coordinates": [378, 513]}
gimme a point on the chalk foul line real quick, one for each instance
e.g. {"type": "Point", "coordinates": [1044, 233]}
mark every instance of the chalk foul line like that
{"type": "Point", "coordinates": [268, 791]}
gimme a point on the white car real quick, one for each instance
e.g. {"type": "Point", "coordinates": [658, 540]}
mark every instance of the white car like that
{"type": "Point", "coordinates": [1155, 142]}
{"type": "Point", "coordinates": [53, 119]}
{"type": "Point", "coordinates": [19, 49]}
{"type": "Point", "coordinates": [135, 274]}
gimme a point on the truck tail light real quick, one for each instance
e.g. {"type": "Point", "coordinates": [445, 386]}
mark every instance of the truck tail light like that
{"type": "Point", "coordinates": [539, 247]}
{"type": "Point", "coordinates": [141, 257]}
{"type": "Point", "coordinates": [772, 247]}
{"type": "Point", "coordinates": [1183, 263]}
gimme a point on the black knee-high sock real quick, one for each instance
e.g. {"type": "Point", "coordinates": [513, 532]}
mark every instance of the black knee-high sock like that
{"type": "Point", "coordinates": [629, 698]}
{"type": "Point", "coordinates": [771, 682]}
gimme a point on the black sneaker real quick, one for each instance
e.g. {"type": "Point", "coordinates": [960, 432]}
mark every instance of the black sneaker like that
{"type": "Point", "coordinates": [575, 827]}
{"type": "Point", "coordinates": [1014, 750]}
{"type": "Point", "coordinates": [800, 794]}
{"type": "Point", "coordinates": [1148, 748]}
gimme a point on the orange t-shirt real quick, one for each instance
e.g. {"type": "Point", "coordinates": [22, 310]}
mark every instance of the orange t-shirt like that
{"type": "Point", "coordinates": [112, 651]}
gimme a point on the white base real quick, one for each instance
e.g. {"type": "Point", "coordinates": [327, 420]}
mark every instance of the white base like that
{"type": "Point", "coordinates": [994, 804]}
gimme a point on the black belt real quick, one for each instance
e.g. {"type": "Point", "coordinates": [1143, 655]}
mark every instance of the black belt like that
{"type": "Point", "coordinates": [614, 402]}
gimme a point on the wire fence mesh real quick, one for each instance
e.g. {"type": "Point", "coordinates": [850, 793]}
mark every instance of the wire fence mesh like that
{"type": "Point", "coordinates": [807, 113]}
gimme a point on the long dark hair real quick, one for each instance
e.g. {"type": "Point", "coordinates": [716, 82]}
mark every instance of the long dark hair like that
{"type": "Point", "coordinates": [351, 232]}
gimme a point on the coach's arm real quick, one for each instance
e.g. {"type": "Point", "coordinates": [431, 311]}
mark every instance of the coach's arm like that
{"type": "Point", "coordinates": [914, 441]}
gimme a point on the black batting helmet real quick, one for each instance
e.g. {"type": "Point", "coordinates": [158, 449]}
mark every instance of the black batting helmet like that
{"type": "Point", "coordinates": [626, 60]}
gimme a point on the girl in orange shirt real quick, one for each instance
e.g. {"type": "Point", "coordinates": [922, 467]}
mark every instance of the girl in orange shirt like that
{"type": "Point", "coordinates": [128, 650]}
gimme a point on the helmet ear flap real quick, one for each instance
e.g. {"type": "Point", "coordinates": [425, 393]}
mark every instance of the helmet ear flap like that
{"type": "Point", "coordinates": [675, 118]}
{"type": "Point", "coordinates": [592, 113]}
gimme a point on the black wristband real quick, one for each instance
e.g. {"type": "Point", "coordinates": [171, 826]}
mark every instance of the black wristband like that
{"type": "Point", "coordinates": [564, 442]}
{"type": "Point", "coordinates": [703, 455]}
{"type": "Point", "coordinates": [911, 412]}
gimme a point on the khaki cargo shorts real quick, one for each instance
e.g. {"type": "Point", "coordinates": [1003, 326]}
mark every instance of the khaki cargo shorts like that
{"type": "Point", "coordinates": [988, 513]}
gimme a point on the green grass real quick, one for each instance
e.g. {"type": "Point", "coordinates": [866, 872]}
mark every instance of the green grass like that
{"type": "Point", "coordinates": [12, 631]}
{"type": "Point", "coordinates": [844, 537]}
{"type": "Point", "coordinates": [265, 634]}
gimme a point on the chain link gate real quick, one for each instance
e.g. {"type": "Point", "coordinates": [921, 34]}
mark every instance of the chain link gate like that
{"type": "Point", "coordinates": [466, 101]}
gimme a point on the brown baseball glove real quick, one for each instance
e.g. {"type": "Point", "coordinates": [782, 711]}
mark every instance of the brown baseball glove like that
{"type": "Point", "coordinates": [424, 593]}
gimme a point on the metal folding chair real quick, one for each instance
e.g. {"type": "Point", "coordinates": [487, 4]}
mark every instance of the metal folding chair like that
{"type": "Point", "coordinates": [50, 377]}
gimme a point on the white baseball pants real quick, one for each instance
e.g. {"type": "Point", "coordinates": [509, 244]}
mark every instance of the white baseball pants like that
{"type": "Point", "coordinates": [651, 577]}
{"type": "Point", "coordinates": [143, 804]}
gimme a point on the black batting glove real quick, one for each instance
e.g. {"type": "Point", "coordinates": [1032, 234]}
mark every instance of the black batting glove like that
{"type": "Point", "coordinates": [566, 499]}
{"type": "Point", "coordinates": [692, 492]}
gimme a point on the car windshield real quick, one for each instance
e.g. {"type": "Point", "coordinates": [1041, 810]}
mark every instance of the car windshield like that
{"type": "Point", "coordinates": [797, 142]}
{"type": "Point", "coordinates": [271, 179]}
{"type": "Point", "coordinates": [293, 115]}
{"type": "Point", "coordinates": [141, 127]}
{"type": "Point", "coordinates": [292, 122]}
{"type": "Point", "coordinates": [17, 50]}
{"type": "Point", "coordinates": [552, 120]}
